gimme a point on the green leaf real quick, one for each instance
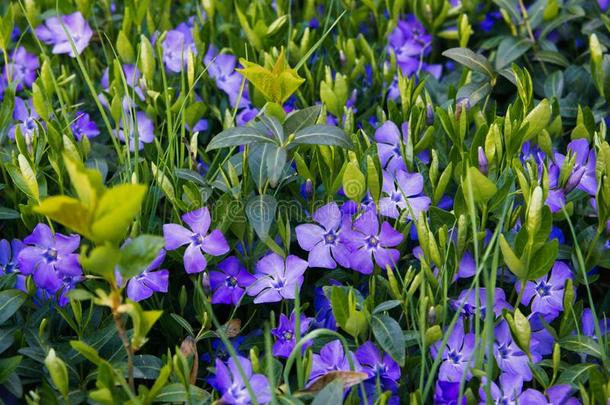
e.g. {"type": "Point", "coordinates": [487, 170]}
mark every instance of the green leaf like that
{"type": "Point", "coordinates": [471, 60]}
{"type": "Point", "coordinates": [116, 211]}
{"type": "Point", "coordinates": [87, 183]}
{"type": "Point", "coordinates": [577, 373]}
{"type": "Point", "coordinates": [322, 135]}
{"type": "Point", "coordinates": [510, 258]}
{"type": "Point", "coordinates": [302, 119]}
{"type": "Point", "coordinates": [332, 393]}
{"type": "Point", "coordinates": [273, 125]}
{"type": "Point", "coordinates": [522, 330]}
{"type": "Point", "coordinates": [510, 49]}
{"type": "Point", "coordinates": [581, 344]}
{"type": "Point", "coordinates": [275, 160]}
{"type": "Point", "coordinates": [553, 85]}
{"type": "Point", "coordinates": [354, 184]}
{"type": "Point", "coordinates": [8, 213]}
{"type": "Point", "coordinates": [138, 254]}
{"type": "Point", "coordinates": [238, 136]}
{"type": "Point", "coordinates": [58, 371]}
{"type": "Point", "coordinates": [67, 211]}
{"type": "Point", "coordinates": [260, 211]}
{"type": "Point", "coordinates": [101, 261]}
{"type": "Point", "coordinates": [338, 300]}
{"type": "Point", "coordinates": [8, 366]}
{"type": "Point", "coordinates": [86, 351]}
{"type": "Point", "coordinates": [390, 336]}
{"type": "Point", "coordinates": [10, 302]}
{"type": "Point", "coordinates": [372, 179]}
{"type": "Point", "coordinates": [176, 393]}
{"type": "Point", "coordinates": [482, 188]}
{"type": "Point", "coordinates": [543, 260]}
{"type": "Point", "coordinates": [474, 92]}
{"type": "Point", "coordinates": [537, 120]}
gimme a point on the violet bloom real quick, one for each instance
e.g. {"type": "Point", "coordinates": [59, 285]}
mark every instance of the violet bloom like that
{"type": "Point", "coordinates": [49, 258]}
{"type": "Point", "coordinates": [27, 120]}
{"type": "Point", "coordinates": [448, 393]}
{"type": "Point", "coordinates": [132, 77]}
{"type": "Point", "coordinates": [84, 126]}
{"type": "Point", "coordinates": [285, 335]}
{"type": "Point", "coordinates": [143, 127]}
{"type": "Point", "coordinates": [277, 279]}
{"type": "Point", "coordinates": [588, 324]}
{"type": "Point", "coordinates": [583, 171]}
{"type": "Point", "coordinates": [323, 240]}
{"type": "Point", "coordinates": [389, 143]}
{"type": "Point", "coordinates": [231, 385]}
{"type": "Point", "coordinates": [324, 311]}
{"type": "Point", "coordinates": [65, 30]}
{"type": "Point", "coordinates": [557, 394]}
{"type": "Point", "coordinates": [367, 241]}
{"type": "Point", "coordinates": [332, 357]}
{"type": "Point", "coordinates": [150, 280]}
{"type": "Point", "coordinates": [229, 281]}
{"type": "Point", "coordinates": [470, 305]}
{"type": "Point", "coordinates": [546, 293]}
{"type": "Point", "coordinates": [603, 4]}
{"type": "Point", "coordinates": [221, 68]}
{"type": "Point", "coordinates": [509, 357]}
{"type": "Point", "coordinates": [410, 43]}
{"type": "Point", "coordinates": [467, 267]}
{"type": "Point", "coordinates": [506, 393]}
{"type": "Point", "coordinates": [22, 68]}
{"type": "Point", "coordinates": [403, 192]}
{"type": "Point", "coordinates": [456, 355]}
{"type": "Point", "coordinates": [175, 47]}
{"type": "Point", "coordinates": [9, 251]}
{"type": "Point", "coordinates": [197, 238]}
{"type": "Point", "coordinates": [378, 366]}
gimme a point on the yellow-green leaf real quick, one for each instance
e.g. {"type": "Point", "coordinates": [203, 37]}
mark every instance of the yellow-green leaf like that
{"type": "Point", "coordinates": [116, 210]}
{"type": "Point", "coordinates": [67, 211]}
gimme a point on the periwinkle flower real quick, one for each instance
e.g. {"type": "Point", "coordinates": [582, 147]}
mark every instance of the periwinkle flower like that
{"type": "Point", "coordinates": [84, 126]}
{"type": "Point", "coordinates": [456, 354]}
{"type": "Point", "coordinates": [588, 324]}
{"type": "Point", "coordinates": [143, 128]}
{"type": "Point", "coordinates": [506, 393]}
{"type": "Point", "coordinates": [467, 300]}
{"type": "Point", "coordinates": [175, 47]}
{"type": "Point", "coordinates": [603, 4]}
{"type": "Point", "coordinates": [49, 258]}
{"type": "Point", "coordinates": [151, 280]}
{"type": "Point", "coordinates": [582, 175]}
{"type": "Point", "coordinates": [324, 311]}
{"type": "Point", "coordinates": [410, 43]}
{"type": "Point", "coordinates": [467, 267]}
{"type": "Point", "coordinates": [285, 334]}
{"type": "Point", "coordinates": [378, 366]}
{"type": "Point", "coordinates": [229, 382]}
{"type": "Point", "coordinates": [9, 251]}
{"type": "Point", "coordinates": [221, 68]}
{"type": "Point", "coordinates": [389, 145]}
{"type": "Point", "coordinates": [65, 31]}
{"type": "Point", "coordinates": [509, 357]}
{"type": "Point", "coordinates": [21, 68]}
{"type": "Point", "coordinates": [323, 239]}
{"type": "Point", "coordinates": [557, 394]}
{"type": "Point", "coordinates": [277, 279]}
{"type": "Point", "coordinates": [368, 241]}
{"type": "Point", "coordinates": [546, 294]}
{"type": "Point", "coordinates": [229, 281]}
{"type": "Point", "coordinates": [403, 191]}
{"type": "Point", "coordinates": [332, 357]}
{"type": "Point", "coordinates": [197, 239]}
{"type": "Point", "coordinates": [448, 393]}
{"type": "Point", "coordinates": [27, 120]}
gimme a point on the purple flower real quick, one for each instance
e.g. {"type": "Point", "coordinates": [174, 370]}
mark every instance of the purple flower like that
{"type": "Point", "coordinates": [324, 311]}
{"type": "Point", "coordinates": [132, 79]}
{"type": "Point", "coordinates": [84, 126]}
{"type": "Point", "coordinates": [285, 336]}
{"type": "Point", "coordinates": [378, 366]}
{"type": "Point", "coordinates": [582, 175]}
{"type": "Point", "coordinates": [467, 267]}
{"type": "Point", "coordinates": [456, 355]}
{"type": "Point", "coordinates": [230, 383]}
{"type": "Point", "coordinates": [324, 240]}
{"type": "Point", "coordinates": [175, 48]}
{"type": "Point", "coordinates": [448, 393]}
{"type": "Point", "coordinates": [143, 127]}
{"type": "Point", "coordinates": [332, 358]}
{"type": "Point", "coordinates": [546, 293]}
{"type": "Point", "coordinates": [9, 251]}
{"type": "Point", "coordinates": [277, 279]}
{"type": "Point", "coordinates": [367, 241]}
{"type": "Point", "coordinates": [389, 144]}
{"type": "Point", "coordinates": [468, 298]}
{"type": "Point", "coordinates": [27, 120]}
{"type": "Point", "coordinates": [403, 192]}
{"type": "Point", "coordinates": [509, 357]}
{"type": "Point", "coordinates": [603, 4]}
{"type": "Point", "coordinates": [64, 30]}
{"type": "Point", "coordinates": [229, 281]}
{"type": "Point", "coordinates": [588, 324]}
{"type": "Point", "coordinates": [22, 68]}
{"type": "Point", "coordinates": [221, 68]}
{"type": "Point", "coordinates": [149, 281]}
{"type": "Point", "coordinates": [557, 394]}
{"type": "Point", "coordinates": [50, 260]}
{"type": "Point", "coordinates": [506, 393]}
{"type": "Point", "coordinates": [197, 238]}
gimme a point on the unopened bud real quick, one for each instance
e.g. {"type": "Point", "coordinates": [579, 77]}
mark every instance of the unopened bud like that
{"type": "Point", "coordinates": [574, 179]}
{"type": "Point", "coordinates": [429, 114]}
{"type": "Point", "coordinates": [483, 164]}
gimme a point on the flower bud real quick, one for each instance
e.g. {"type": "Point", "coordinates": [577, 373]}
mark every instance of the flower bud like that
{"type": "Point", "coordinates": [574, 179]}
{"type": "Point", "coordinates": [483, 164]}
{"type": "Point", "coordinates": [429, 114]}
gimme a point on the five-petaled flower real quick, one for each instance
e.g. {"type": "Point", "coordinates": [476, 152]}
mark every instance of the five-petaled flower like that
{"type": "Point", "coordinates": [276, 278]}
